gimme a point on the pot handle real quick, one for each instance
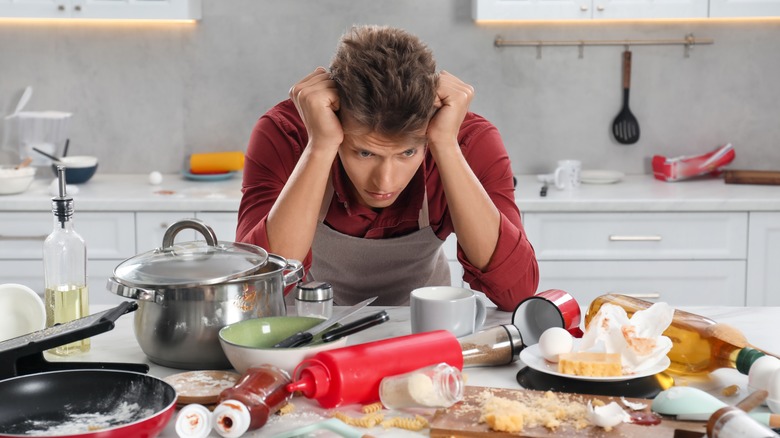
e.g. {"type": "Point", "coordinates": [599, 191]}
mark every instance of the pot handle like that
{"type": "Point", "coordinates": [192, 223]}
{"type": "Point", "coordinates": [293, 272]}
{"type": "Point", "coordinates": [135, 293]}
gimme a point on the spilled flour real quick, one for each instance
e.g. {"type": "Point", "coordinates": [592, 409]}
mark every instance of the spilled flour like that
{"type": "Point", "coordinates": [73, 423]}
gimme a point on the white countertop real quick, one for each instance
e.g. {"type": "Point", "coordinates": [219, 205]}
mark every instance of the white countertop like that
{"type": "Point", "coordinates": [117, 192]}
{"type": "Point", "coordinates": [119, 345]}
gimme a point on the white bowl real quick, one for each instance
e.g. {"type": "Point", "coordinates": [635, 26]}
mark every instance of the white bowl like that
{"type": "Point", "coordinates": [249, 343]}
{"type": "Point", "coordinates": [14, 181]}
{"type": "Point", "coordinates": [23, 311]}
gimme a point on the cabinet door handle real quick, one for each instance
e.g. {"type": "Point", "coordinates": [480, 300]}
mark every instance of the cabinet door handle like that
{"type": "Point", "coordinates": [15, 238]}
{"type": "Point", "coordinates": [652, 296]}
{"type": "Point", "coordinates": [628, 238]}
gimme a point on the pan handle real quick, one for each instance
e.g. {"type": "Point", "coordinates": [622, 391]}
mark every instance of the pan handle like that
{"type": "Point", "coordinates": [192, 223]}
{"type": "Point", "coordinates": [294, 272]}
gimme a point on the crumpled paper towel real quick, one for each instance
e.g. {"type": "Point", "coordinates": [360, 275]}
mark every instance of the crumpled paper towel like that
{"type": "Point", "coordinates": [638, 339]}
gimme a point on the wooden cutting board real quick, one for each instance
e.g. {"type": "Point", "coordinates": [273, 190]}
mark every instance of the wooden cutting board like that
{"type": "Point", "coordinates": [462, 419]}
{"type": "Point", "coordinates": [764, 177]}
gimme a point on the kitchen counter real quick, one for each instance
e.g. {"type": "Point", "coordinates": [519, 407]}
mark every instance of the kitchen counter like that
{"type": "Point", "coordinates": [116, 192]}
{"type": "Point", "coordinates": [119, 345]}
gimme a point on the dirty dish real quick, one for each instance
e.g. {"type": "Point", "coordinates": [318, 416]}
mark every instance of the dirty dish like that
{"type": "Point", "coordinates": [532, 357]}
{"type": "Point", "coordinates": [78, 168]}
{"type": "Point", "coordinates": [601, 176]}
{"type": "Point", "coordinates": [23, 311]}
{"type": "Point", "coordinates": [201, 386]}
{"type": "Point", "coordinates": [251, 342]}
{"type": "Point", "coordinates": [208, 176]}
{"type": "Point", "coordinates": [13, 180]}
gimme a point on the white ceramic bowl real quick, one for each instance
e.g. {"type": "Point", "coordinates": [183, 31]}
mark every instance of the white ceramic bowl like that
{"type": "Point", "coordinates": [250, 342]}
{"type": "Point", "coordinates": [15, 180]}
{"type": "Point", "coordinates": [22, 311]}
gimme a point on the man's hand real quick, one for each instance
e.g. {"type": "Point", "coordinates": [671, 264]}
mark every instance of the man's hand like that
{"type": "Point", "coordinates": [453, 98]}
{"type": "Point", "coordinates": [317, 101]}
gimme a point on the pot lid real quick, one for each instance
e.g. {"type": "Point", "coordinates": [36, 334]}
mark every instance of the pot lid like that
{"type": "Point", "coordinates": [190, 264]}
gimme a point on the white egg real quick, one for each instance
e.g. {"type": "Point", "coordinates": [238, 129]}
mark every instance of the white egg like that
{"type": "Point", "coordinates": [555, 341]}
{"type": "Point", "coordinates": [155, 178]}
{"type": "Point", "coordinates": [761, 371]}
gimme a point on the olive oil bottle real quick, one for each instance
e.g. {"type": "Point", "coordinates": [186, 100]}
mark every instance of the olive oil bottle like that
{"type": "Point", "coordinates": [65, 270]}
{"type": "Point", "coordinates": [699, 344]}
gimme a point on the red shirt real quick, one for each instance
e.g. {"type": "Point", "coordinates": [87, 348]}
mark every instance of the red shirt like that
{"type": "Point", "coordinates": [277, 142]}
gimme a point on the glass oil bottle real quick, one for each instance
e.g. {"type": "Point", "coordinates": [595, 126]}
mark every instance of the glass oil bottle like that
{"type": "Point", "coordinates": [65, 270]}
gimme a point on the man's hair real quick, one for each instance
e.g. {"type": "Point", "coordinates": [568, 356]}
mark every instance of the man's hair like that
{"type": "Point", "coordinates": [386, 79]}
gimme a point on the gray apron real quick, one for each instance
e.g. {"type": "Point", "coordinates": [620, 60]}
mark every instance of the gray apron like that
{"type": "Point", "coordinates": [359, 268]}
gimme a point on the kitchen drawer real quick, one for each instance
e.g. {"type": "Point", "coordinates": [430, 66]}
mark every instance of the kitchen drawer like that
{"type": "Point", "coordinates": [150, 228]}
{"type": "Point", "coordinates": [30, 274]}
{"type": "Point", "coordinates": [679, 283]}
{"type": "Point", "coordinates": [763, 281]}
{"type": "Point", "coordinates": [223, 223]}
{"type": "Point", "coordinates": [638, 236]}
{"type": "Point", "coordinates": [109, 235]}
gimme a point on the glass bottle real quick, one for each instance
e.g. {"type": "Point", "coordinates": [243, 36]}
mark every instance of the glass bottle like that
{"type": "Point", "coordinates": [65, 270]}
{"type": "Point", "coordinates": [314, 299]}
{"type": "Point", "coordinates": [699, 344]}
{"type": "Point", "coordinates": [735, 422]}
{"type": "Point", "coordinates": [435, 386]}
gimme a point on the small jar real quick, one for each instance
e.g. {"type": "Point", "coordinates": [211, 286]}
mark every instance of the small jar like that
{"type": "Point", "coordinates": [436, 386]}
{"type": "Point", "coordinates": [314, 299]}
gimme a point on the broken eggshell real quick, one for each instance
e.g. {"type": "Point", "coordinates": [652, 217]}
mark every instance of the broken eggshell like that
{"type": "Point", "coordinates": [607, 416]}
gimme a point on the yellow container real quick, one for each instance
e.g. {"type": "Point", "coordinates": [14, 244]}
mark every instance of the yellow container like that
{"type": "Point", "coordinates": [216, 162]}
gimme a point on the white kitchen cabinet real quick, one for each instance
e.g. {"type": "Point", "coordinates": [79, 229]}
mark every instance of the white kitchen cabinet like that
{"type": "Point", "coordinates": [102, 9]}
{"type": "Point", "coordinates": [223, 223]}
{"type": "Point", "coordinates": [744, 8]}
{"type": "Point", "coordinates": [501, 10]}
{"type": "Point", "coordinates": [763, 270]}
{"type": "Point", "coordinates": [679, 283]}
{"type": "Point", "coordinates": [683, 258]}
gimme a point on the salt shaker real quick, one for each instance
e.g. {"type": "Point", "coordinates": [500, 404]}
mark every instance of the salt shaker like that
{"type": "Point", "coordinates": [435, 386]}
{"type": "Point", "coordinates": [499, 345]}
{"type": "Point", "coordinates": [315, 299]}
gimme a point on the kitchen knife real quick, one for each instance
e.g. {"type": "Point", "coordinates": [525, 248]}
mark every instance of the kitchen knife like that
{"type": "Point", "coordinates": [304, 337]}
{"type": "Point", "coordinates": [355, 326]}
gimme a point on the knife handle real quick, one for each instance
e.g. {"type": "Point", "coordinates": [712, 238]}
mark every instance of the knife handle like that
{"type": "Point", "coordinates": [355, 326]}
{"type": "Point", "coordinates": [295, 340]}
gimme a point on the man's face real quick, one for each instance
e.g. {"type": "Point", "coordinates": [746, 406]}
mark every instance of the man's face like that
{"type": "Point", "coordinates": [380, 168]}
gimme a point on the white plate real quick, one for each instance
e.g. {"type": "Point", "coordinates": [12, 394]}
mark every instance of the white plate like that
{"type": "Point", "coordinates": [601, 176]}
{"type": "Point", "coordinates": [533, 358]}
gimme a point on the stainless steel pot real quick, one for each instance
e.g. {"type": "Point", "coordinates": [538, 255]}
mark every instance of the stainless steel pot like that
{"type": "Point", "coordinates": [188, 291]}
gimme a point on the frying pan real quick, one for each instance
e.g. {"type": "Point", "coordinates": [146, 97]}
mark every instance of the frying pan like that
{"type": "Point", "coordinates": [85, 404]}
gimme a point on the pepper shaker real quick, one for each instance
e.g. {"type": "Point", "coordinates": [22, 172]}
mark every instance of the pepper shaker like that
{"type": "Point", "coordinates": [315, 299]}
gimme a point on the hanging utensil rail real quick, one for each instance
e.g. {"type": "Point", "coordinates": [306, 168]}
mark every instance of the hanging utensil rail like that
{"type": "Point", "coordinates": [688, 41]}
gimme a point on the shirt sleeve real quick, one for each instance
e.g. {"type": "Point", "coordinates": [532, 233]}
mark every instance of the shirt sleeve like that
{"type": "Point", "coordinates": [274, 149]}
{"type": "Point", "coordinates": [513, 272]}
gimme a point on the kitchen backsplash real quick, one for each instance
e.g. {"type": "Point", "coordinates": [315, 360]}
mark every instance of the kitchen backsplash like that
{"type": "Point", "coordinates": [144, 96]}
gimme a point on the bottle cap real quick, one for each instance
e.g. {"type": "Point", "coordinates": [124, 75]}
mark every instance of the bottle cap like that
{"type": "Point", "coordinates": [313, 379]}
{"type": "Point", "coordinates": [231, 419]}
{"type": "Point", "coordinates": [193, 421]}
{"type": "Point", "coordinates": [314, 291]}
{"type": "Point", "coordinates": [745, 359]}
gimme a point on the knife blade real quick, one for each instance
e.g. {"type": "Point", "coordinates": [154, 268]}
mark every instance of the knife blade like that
{"type": "Point", "coordinates": [304, 337]}
{"type": "Point", "coordinates": [355, 326]}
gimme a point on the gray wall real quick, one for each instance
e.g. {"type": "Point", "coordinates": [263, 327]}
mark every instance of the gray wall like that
{"type": "Point", "coordinates": [144, 96]}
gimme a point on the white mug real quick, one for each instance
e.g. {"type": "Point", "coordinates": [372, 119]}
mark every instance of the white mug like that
{"type": "Point", "coordinates": [567, 174]}
{"type": "Point", "coordinates": [456, 309]}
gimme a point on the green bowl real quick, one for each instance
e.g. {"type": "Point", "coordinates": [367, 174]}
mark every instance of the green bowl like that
{"type": "Point", "coordinates": [250, 343]}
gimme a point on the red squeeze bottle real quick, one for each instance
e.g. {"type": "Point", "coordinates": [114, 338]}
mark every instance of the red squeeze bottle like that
{"type": "Point", "coordinates": [352, 374]}
{"type": "Point", "coordinates": [247, 405]}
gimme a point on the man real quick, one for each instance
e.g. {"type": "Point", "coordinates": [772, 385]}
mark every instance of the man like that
{"type": "Point", "coordinates": [371, 164]}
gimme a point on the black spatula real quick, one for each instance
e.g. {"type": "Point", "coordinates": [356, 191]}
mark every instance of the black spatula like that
{"type": "Point", "coordinates": [625, 128]}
